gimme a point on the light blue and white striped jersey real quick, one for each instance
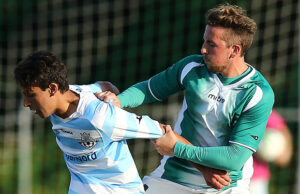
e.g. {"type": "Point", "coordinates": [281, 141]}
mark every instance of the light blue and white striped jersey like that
{"type": "Point", "coordinates": [93, 140]}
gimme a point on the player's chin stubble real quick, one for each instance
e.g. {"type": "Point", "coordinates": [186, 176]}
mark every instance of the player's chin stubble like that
{"type": "Point", "coordinates": [216, 68]}
{"type": "Point", "coordinates": [213, 68]}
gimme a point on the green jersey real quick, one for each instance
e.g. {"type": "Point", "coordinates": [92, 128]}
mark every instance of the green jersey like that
{"type": "Point", "coordinates": [216, 111]}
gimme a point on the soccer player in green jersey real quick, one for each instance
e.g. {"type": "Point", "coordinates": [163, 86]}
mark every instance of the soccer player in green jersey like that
{"type": "Point", "coordinates": [225, 109]}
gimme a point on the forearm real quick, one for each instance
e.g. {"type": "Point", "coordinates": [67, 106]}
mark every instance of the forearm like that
{"type": "Point", "coordinates": [157, 88]}
{"type": "Point", "coordinates": [186, 142]}
{"type": "Point", "coordinates": [136, 95]}
{"type": "Point", "coordinates": [231, 157]}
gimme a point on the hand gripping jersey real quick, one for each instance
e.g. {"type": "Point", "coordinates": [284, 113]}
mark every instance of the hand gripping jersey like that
{"type": "Point", "coordinates": [216, 111]}
{"type": "Point", "coordinates": [93, 140]}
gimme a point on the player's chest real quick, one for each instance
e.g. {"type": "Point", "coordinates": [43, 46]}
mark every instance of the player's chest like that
{"type": "Point", "coordinates": [205, 97]}
{"type": "Point", "coordinates": [77, 133]}
{"type": "Point", "coordinates": [202, 91]}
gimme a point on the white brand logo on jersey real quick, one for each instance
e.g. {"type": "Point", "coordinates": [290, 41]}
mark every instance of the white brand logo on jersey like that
{"type": "Point", "coordinates": [216, 98]}
{"type": "Point", "coordinates": [87, 141]}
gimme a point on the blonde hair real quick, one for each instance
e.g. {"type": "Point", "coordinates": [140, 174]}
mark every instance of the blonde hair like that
{"type": "Point", "coordinates": [240, 28]}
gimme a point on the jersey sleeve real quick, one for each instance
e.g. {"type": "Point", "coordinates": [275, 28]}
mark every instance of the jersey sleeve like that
{"type": "Point", "coordinates": [119, 124]}
{"type": "Point", "coordinates": [136, 95]}
{"type": "Point", "coordinates": [250, 127]}
{"type": "Point", "coordinates": [159, 87]}
{"type": "Point", "coordinates": [231, 157]}
{"type": "Point", "coordinates": [166, 83]}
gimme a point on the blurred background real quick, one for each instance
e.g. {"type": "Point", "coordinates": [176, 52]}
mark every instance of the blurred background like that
{"type": "Point", "coordinates": [126, 42]}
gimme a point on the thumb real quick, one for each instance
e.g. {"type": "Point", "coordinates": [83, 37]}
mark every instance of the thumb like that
{"type": "Point", "coordinates": [168, 128]}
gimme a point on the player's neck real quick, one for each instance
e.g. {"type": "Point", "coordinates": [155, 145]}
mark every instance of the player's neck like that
{"type": "Point", "coordinates": [236, 68]}
{"type": "Point", "coordinates": [67, 104]}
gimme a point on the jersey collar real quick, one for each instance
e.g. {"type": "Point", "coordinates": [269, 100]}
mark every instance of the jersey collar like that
{"type": "Point", "coordinates": [243, 80]}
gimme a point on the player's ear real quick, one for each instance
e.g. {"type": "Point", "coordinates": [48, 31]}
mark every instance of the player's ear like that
{"type": "Point", "coordinates": [236, 51]}
{"type": "Point", "coordinates": [53, 88]}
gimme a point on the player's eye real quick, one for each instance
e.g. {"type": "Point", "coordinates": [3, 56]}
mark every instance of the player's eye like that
{"type": "Point", "coordinates": [29, 95]}
{"type": "Point", "coordinates": [211, 44]}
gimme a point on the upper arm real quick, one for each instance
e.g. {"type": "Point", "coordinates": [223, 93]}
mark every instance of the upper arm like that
{"type": "Point", "coordinates": [250, 127]}
{"type": "Point", "coordinates": [170, 81]}
{"type": "Point", "coordinates": [158, 87]}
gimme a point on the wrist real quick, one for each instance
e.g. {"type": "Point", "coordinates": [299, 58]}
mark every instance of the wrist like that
{"type": "Point", "coordinates": [177, 148]}
{"type": "Point", "coordinates": [123, 103]}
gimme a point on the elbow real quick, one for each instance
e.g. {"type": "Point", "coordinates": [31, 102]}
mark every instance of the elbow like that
{"type": "Point", "coordinates": [236, 164]}
{"type": "Point", "coordinates": [238, 157]}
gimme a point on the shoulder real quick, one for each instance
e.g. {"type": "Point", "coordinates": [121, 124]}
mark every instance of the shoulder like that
{"type": "Point", "coordinates": [95, 87]}
{"type": "Point", "coordinates": [261, 93]}
{"type": "Point", "coordinates": [191, 59]}
{"type": "Point", "coordinates": [264, 85]}
{"type": "Point", "coordinates": [257, 82]}
{"type": "Point", "coordinates": [187, 64]}
{"type": "Point", "coordinates": [88, 104]}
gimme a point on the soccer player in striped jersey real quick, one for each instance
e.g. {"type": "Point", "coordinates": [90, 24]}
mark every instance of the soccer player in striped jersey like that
{"type": "Point", "coordinates": [92, 134]}
{"type": "Point", "coordinates": [225, 109]}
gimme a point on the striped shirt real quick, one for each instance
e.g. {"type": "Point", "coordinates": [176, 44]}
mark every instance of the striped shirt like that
{"type": "Point", "coordinates": [93, 140]}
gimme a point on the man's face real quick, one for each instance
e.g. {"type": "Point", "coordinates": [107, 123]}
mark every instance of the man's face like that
{"type": "Point", "coordinates": [39, 101]}
{"type": "Point", "coordinates": [215, 50]}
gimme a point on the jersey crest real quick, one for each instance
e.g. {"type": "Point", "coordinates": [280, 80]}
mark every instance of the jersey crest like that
{"type": "Point", "coordinates": [87, 141]}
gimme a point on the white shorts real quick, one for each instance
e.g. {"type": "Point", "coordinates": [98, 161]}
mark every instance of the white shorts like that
{"type": "Point", "coordinates": [259, 186]}
{"type": "Point", "coordinates": [155, 185]}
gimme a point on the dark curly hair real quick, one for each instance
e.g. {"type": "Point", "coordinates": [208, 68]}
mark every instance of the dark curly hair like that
{"type": "Point", "coordinates": [40, 69]}
{"type": "Point", "coordinates": [241, 28]}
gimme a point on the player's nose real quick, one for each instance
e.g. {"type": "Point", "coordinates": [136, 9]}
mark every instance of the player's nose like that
{"type": "Point", "coordinates": [26, 102]}
{"type": "Point", "coordinates": [203, 50]}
